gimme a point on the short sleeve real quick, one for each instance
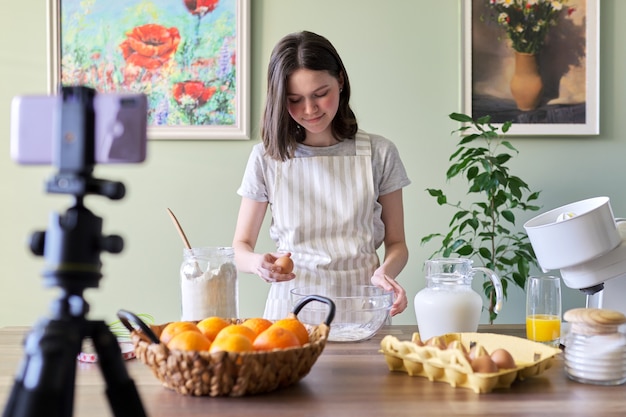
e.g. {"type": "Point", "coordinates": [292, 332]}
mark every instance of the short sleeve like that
{"type": "Point", "coordinates": [389, 171]}
{"type": "Point", "coordinates": [253, 184]}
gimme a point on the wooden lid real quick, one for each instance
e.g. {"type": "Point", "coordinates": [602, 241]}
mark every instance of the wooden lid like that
{"type": "Point", "coordinates": [595, 317]}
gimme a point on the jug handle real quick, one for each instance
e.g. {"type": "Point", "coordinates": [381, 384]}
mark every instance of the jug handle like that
{"type": "Point", "coordinates": [497, 285]}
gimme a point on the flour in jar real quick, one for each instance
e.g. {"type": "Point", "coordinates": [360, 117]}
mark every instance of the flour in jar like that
{"type": "Point", "coordinates": [212, 293]}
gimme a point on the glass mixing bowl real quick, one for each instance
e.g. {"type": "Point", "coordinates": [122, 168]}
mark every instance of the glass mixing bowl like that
{"type": "Point", "coordinates": [360, 310]}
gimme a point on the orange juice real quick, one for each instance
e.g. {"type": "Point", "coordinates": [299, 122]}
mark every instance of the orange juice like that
{"type": "Point", "coordinates": [543, 328]}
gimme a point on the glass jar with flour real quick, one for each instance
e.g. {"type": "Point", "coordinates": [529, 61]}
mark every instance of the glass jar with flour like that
{"type": "Point", "coordinates": [208, 283]}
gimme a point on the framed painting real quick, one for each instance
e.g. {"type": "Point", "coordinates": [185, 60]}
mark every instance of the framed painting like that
{"type": "Point", "coordinates": [533, 62]}
{"type": "Point", "coordinates": [190, 57]}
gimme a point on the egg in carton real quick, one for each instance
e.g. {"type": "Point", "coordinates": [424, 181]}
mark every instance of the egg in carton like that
{"type": "Point", "coordinates": [465, 359]}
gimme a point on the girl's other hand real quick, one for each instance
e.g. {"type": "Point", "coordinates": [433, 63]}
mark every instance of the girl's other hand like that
{"type": "Point", "coordinates": [387, 283]}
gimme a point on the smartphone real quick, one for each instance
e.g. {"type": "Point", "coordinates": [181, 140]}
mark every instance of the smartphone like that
{"type": "Point", "coordinates": [120, 128]}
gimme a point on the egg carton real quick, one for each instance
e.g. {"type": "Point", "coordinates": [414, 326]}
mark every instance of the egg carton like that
{"type": "Point", "coordinates": [447, 360]}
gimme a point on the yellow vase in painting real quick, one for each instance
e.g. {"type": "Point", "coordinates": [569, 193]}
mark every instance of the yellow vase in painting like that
{"type": "Point", "coordinates": [526, 84]}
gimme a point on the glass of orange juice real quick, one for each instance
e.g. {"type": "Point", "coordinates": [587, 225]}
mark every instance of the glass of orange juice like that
{"type": "Point", "coordinates": [543, 309]}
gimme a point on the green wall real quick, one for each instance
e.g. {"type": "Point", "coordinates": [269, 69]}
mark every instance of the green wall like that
{"type": "Point", "coordinates": [404, 61]}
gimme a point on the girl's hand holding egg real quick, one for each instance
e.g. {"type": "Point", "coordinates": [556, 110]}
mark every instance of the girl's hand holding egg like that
{"type": "Point", "coordinates": [276, 267]}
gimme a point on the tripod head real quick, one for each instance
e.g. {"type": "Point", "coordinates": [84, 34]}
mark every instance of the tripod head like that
{"type": "Point", "coordinates": [75, 148]}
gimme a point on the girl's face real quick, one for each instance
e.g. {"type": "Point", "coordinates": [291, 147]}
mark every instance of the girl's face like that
{"type": "Point", "coordinates": [313, 100]}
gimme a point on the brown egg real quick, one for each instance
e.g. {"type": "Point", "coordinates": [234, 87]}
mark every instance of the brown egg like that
{"type": "Point", "coordinates": [503, 359]}
{"type": "Point", "coordinates": [484, 364]}
{"type": "Point", "coordinates": [285, 263]}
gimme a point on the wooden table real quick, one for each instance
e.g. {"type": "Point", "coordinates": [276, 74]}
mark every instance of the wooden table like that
{"type": "Point", "coordinates": [348, 380]}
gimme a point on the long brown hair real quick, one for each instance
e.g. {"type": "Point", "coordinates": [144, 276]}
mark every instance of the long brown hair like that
{"type": "Point", "coordinates": [308, 50]}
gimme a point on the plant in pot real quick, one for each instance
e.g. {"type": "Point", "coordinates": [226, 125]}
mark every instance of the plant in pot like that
{"type": "Point", "coordinates": [484, 229]}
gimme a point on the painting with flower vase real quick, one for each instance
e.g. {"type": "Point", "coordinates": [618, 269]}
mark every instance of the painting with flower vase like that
{"type": "Point", "coordinates": [190, 57]}
{"type": "Point", "coordinates": [533, 62]}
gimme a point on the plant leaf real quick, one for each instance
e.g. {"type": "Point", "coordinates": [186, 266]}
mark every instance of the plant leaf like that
{"type": "Point", "coordinates": [434, 192]}
{"type": "Point", "coordinates": [465, 250]}
{"type": "Point", "coordinates": [508, 215]}
{"type": "Point", "coordinates": [460, 117]}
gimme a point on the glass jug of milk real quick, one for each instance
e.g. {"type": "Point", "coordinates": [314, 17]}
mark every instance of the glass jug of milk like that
{"type": "Point", "coordinates": [448, 304]}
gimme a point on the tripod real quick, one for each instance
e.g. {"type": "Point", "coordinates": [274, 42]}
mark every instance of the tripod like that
{"type": "Point", "coordinates": [71, 245]}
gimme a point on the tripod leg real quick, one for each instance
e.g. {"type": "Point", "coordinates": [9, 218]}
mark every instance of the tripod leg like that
{"type": "Point", "coordinates": [44, 384]}
{"type": "Point", "coordinates": [121, 390]}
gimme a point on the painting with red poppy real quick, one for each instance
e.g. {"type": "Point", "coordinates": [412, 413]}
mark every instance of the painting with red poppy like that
{"type": "Point", "coordinates": [190, 58]}
{"type": "Point", "coordinates": [533, 62]}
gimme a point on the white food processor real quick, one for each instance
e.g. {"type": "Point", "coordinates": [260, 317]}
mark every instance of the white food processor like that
{"type": "Point", "coordinates": [586, 243]}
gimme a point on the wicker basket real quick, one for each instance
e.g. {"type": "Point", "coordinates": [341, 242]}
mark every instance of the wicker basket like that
{"type": "Point", "coordinates": [225, 373]}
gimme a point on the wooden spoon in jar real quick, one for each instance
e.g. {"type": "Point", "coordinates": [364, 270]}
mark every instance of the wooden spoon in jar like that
{"type": "Point", "coordinates": [197, 270]}
{"type": "Point", "coordinates": [179, 228]}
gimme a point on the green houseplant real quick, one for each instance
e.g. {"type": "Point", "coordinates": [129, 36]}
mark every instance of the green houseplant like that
{"type": "Point", "coordinates": [484, 229]}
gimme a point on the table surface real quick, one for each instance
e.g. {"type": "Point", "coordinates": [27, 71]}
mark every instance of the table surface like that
{"type": "Point", "coordinates": [348, 379]}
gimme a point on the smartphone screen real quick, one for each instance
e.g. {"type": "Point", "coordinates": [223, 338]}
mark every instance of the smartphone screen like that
{"type": "Point", "coordinates": [120, 128]}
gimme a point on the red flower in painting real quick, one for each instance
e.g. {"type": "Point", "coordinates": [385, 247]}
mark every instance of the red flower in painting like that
{"type": "Point", "coordinates": [201, 7]}
{"type": "Point", "coordinates": [150, 46]}
{"type": "Point", "coordinates": [192, 93]}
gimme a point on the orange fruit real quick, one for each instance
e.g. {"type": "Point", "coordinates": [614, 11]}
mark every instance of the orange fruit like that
{"type": "Point", "coordinates": [275, 337]}
{"type": "Point", "coordinates": [211, 326]}
{"type": "Point", "coordinates": [296, 327]}
{"type": "Point", "coordinates": [258, 324]}
{"type": "Point", "coordinates": [189, 340]}
{"type": "Point", "coordinates": [236, 329]}
{"type": "Point", "coordinates": [173, 328]}
{"type": "Point", "coordinates": [285, 263]}
{"type": "Point", "coordinates": [233, 342]}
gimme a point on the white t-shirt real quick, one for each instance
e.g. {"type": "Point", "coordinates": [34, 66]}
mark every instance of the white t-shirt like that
{"type": "Point", "coordinates": [387, 168]}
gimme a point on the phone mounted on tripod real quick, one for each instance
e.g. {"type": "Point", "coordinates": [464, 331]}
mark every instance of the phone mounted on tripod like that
{"type": "Point", "coordinates": [71, 246]}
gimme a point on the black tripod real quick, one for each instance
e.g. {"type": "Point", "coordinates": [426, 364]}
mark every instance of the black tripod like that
{"type": "Point", "coordinates": [71, 245]}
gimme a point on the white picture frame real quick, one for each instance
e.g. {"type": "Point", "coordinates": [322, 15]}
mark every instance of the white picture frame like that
{"type": "Point", "coordinates": [488, 60]}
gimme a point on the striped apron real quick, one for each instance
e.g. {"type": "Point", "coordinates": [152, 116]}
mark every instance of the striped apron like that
{"type": "Point", "coordinates": [323, 213]}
